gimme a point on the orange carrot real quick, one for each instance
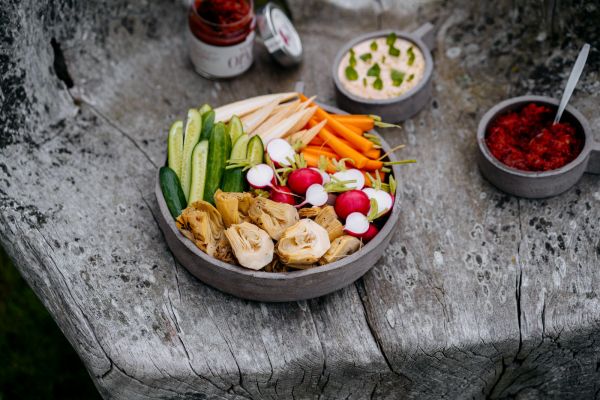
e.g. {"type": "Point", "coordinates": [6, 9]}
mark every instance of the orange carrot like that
{"type": "Point", "coordinates": [312, 160]}
{"type": "Point", "coordinates": [326, 151]}
{"type": "Point", "coordinates": [317, 141]}
{"type": "Point", "coordinates": [341, 148]}
{"type": "Point", "coordinates": [357, 141]}
{"type": "Point", "coordinates": [363, 122]}
{"type": "Point", "coordinates": [372, 165]}
{"type": "Point", "coordinates": [373, 154]}
{"type": "Point", "coordinates": [355, 129]}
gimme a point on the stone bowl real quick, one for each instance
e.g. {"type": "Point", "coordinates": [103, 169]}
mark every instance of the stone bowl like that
{"type": "Point", "coordinates": [399, 108]}
{"type": "Point", "coordinates": [537, 184]}
{"type": "Point", "coordinates": [277, 286]}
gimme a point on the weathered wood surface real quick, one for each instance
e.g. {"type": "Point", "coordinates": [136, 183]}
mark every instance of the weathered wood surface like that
{"type": "Point", "coordinates": [479, 295]}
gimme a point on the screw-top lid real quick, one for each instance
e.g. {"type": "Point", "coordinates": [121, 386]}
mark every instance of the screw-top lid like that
{"type": "Point", "coordinates": [279, 35]}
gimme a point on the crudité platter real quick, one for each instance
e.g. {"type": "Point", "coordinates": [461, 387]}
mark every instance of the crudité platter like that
{"type": "Point", "coordinates": [278, 198]}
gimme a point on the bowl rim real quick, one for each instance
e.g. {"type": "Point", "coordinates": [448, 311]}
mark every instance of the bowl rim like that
{"type": "Point", "coordinates": [381, 33]}
{"type": "Point", "coordinates": [501, 107]}
{"type": "Point", "coordinates": [386, 230]}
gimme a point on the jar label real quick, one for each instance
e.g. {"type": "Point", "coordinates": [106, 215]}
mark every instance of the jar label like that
{"type": "Point", "coordinates": [220, 61]}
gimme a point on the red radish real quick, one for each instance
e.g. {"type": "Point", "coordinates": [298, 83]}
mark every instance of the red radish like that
{"type": "Point", "coordinates": [300, 179]}
{"type": "Point", "coordinates": [281, 152]}
{"type": "Point", "coordinates": [358, 225]}
{"type": "Point", "coordinates": [282, 194]}
{"type": "Point", "coordinates": [260, 176]}
{"type": "Point", "coordinates": [354, 178]}
{"type": "Point", "coordinates": [331, 199]}
{"type": "Point", "coordinates": [350, 202]}
{"type": "Point", "coordinates": [384, 200]}
{"type": "Point", "coordinates": [316, 195]}
{"type": "Point", "coordinates": [324, 175]}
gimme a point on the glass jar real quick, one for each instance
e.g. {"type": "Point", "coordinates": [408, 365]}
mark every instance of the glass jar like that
{"type": "Point", "coordinates": [221, 37]}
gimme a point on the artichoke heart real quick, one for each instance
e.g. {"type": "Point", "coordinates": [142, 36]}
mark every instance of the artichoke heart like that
{"type": "Point", "coordinates": [233, 206]}
{"type": "Point", "coordinates": [252, 246]}
{"type": "Point", "coordinates": [328, 219]}
{"type": "Point", "coordinates": [272, 216]}
{"type": "Point", "coordinates": [309, 212]}
{"type": "Point", "coordinates": [201, 223]}
{"type": "Point", "coordinates": [303, 243]}
{"type": "Point", "coordinates": [341, 247]}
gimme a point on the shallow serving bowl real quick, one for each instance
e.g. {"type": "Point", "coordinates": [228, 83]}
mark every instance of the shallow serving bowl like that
{"type": "Point", "coordinates": [537, 184]}
{"type": "Point", "coordinates": [277, 286]}
{"type": "Point", "coordinates": [398, 108]}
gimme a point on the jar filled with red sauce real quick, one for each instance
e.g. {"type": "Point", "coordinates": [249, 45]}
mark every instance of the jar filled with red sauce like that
{"type": "Point", "coordinates": [528, 140]}
{"type": "Point", "coordinates": [221, 37]}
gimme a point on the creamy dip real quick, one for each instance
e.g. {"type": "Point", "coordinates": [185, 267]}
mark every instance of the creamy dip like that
{"type": "Point", "coordinates": [398, 73]}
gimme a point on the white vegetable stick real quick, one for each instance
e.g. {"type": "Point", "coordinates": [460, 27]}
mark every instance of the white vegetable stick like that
{"type": "Point", "coordinates": [251, 121]}
{"type": "Point", "coordinates": [289, 107]}
{"type": "Point", "coordinates": [306, 103]}
{"type": "Point", "coordinates": [305, 136]}
{"type": "Point", "coordinates": [306, 116]}
{"type": "Point", "coordinates": [281, 128]}
{"type": "Point", "coordinates": [244, 107]}
{"type": "Point", "coordinates": [276, 118]}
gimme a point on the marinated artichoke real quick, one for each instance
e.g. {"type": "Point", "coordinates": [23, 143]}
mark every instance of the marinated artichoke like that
{"type": "Point", "coordinates": [309, 212]}
{"type": "Point", "coordinates": [303, 243]}
{"type": "Point", "coordinates": [252, 246]}
{"type": "Point", "coordinates": [201, 223]}
{"type": "Point", "coordinates": [328, 219]}
{"type": "Point", "coordinates": [233, 206]}
{"type": "Point", "coordinates": [271, 216]}
{"type": "Point", "coordinates": [341, 247]}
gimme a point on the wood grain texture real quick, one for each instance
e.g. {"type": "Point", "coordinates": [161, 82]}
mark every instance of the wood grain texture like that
{"type": "Point", "coordinates": [478, 295]}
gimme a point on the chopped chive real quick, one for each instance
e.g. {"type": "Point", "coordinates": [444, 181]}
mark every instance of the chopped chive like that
{"type": "Point", "coordinates": [366, 57]}
{"type": "Point", "coordinates": [351, 73]}
{"type": "Point", "coordinates": [378, 84]}
{"type": "Point", "coordinates": [365, 82]}
{"type": "Point", "coordinates": [410, 77]}
{"type": "Point", "coordinates": [374, 70]}
{"type": "Point", "coordinates": [373, 45]}
{"type": "Point", "coordinates": [383, 59]}
{"type": "Point", "coordinates": [394, 51]}
{"type": "Point", "coordinates": [411, 55]}
{"type": "Point", "coordinates": [397, 77]}
{"type": "Point", "coordinates": [391, 39]}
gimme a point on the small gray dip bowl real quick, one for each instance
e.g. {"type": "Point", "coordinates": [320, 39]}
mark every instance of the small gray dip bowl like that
{"type": "Point", "coordinates": [274, 286]}
{"type": "Point", "coordinates": [399, 108]}
{"type": "Point", "coordinates": [537, 184]}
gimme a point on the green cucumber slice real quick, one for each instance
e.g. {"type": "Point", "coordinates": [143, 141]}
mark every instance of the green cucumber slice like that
{"type": "Point", "coordinates": [208, 122]}
{"type": "Point", "coordinates": [193, 127]}
{"type": "Point", "coordinates": [175, 147]}
{"type": "Point", "coordinates": [235, 128]}
{"type": "Point", "coordinates": [171, 190]}
{"type": "Point", "coordinates": [204, 109]}
{"type": "Point", "coordinates": [219, 149]}
{"type": "Point", "coordinates": [199, 164]}
{"type": "Point", "coordinates": [233, 179]}
{"type": "Point", "coordinates": [256, 150]}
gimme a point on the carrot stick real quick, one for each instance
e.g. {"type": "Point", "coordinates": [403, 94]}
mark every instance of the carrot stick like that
{"type": "Point", "coordinates": [363, 122]}
{"type": "Point", "coordinates": [341, 148]}
{"type": "Point", "coordinates": [372, 165]}
{"type": "Point", "coordinates": [357, 141]}
{"type": "Point", "coordinates": [321, 151]}
{"type": "Point", "coordinates": [317, 141]}
{"type": "Point", "coordinates": [312, 160]}
{"type": "Point", "coordinates": [355, 129]}
{"type": "Point", "coordinates": [373, 154]}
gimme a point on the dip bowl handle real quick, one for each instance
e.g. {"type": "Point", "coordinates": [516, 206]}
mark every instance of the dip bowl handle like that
{"type": "Point", "coordinates": [426, 33]}
{"type": "Point", "coordinates": [593, 166]}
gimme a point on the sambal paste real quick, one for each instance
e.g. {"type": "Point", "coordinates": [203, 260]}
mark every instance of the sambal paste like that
{"type": "Point", "coordinates": [527, 139]}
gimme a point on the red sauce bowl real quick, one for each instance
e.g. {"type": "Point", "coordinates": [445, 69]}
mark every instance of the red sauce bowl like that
{"type": "Point", "coordinates": [537, 184]}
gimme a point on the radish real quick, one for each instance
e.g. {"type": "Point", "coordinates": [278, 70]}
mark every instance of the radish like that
{"type": "Point", "coordinates": [383, 199]}
{"type": "Point", "coordinates": [282, 194]}
{"type": "Point", "coordinates": [280, 152]}
{"type": "Point", "coordinates": [260, 176]}
{"type": "Point", "coordinates": [350, 202]}
{"type": "Point", "coordinates": [299, 180]}
{"type": "Point", "coordinates": [358, 225]}
{"type": "Point", "coordinates": [324, 175]}
{"type": "Point", "coordinates": [354, 178]}
{"type": "Point", "coordinates": [316, 195]}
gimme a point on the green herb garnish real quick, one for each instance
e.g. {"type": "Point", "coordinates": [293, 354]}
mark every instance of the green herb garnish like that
{"type": "Point", "coordinates": [366, 57]}
{"type": "Point", "coordinates": [365, 82]}
{"type": "Point", "coordinates": [351, 73]}
{"type": "Point", "coordinates": [352, 58]}
{"type": "Point", "coordinates": [410, 77]}
{"type": "Point", "coordinates": [383, 59]}
{"type": "Point", "coordinates": [378, 84]}
{"type": "Point", "coordinates": [391, 39]}
{"type": "Point", "coordinates": [373, 45]}
{"type": "Point", "coordinates": [411, 55]}
{"type": "Point", "coordinates": [374, 70]}
{"type": "Point", "coordinates": [394, 51]}
{"type": "Point", "coordinates": [397, 77]}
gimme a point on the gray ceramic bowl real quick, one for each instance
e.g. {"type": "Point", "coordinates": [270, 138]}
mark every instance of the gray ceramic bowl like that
{"type": "Point", "coordinates": [276, 287]}
{"type": "Point", "coordinates": [537, 184]}
{"type": "Point", "coordinates": [398, 108]}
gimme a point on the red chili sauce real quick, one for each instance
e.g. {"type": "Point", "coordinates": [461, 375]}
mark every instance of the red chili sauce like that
{"type": "Point", "coordinates": [527, 139]}
{"type": "Point", "coordinates": [221, 22]}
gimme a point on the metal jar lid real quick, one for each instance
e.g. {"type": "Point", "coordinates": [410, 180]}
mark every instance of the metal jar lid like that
{"type": "Point", "coordinates": [279, 35]}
